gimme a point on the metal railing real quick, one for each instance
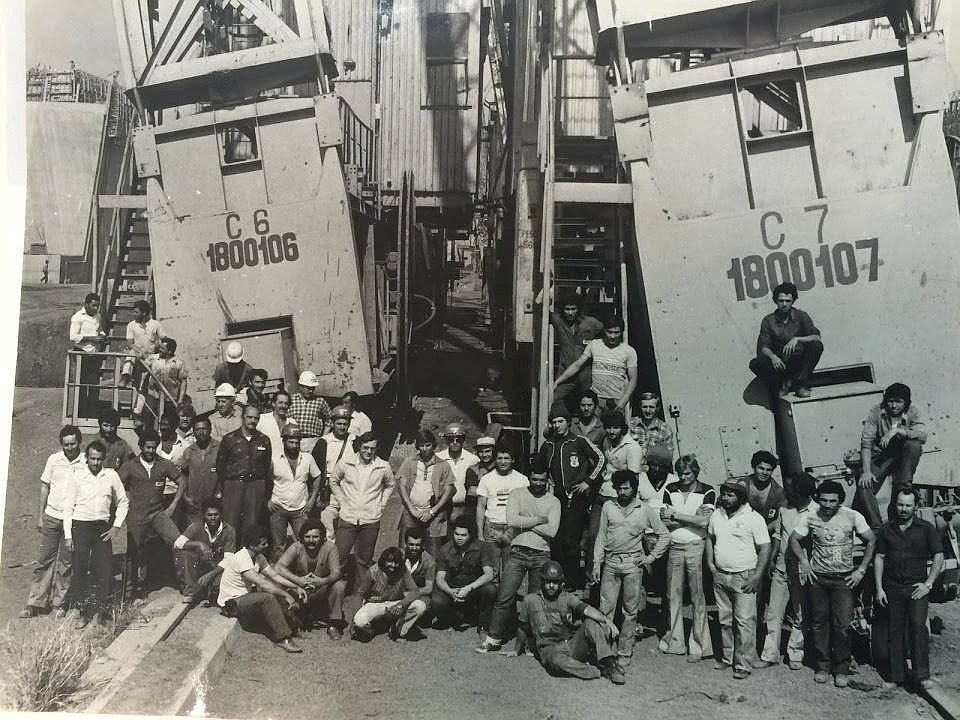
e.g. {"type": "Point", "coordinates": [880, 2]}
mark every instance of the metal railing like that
{"type": "Point", "coordinates": [84, 388]}
{"type": "Point", "coordinates": [358, 145]}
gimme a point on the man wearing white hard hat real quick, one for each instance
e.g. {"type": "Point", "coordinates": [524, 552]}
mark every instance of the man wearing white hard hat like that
{"type": "Point", "coordinates": [460, 460]}
{"type": "Point", "coordinates": [226, 418]}
{"type": "Point", "coordinates": [234, 370]}
{"type": "Point", "coordinates": [309, 410]}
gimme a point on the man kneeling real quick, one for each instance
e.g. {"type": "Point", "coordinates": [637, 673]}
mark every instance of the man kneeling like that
{"type": "Point", "coordinates": [390, 599]}
{"type": "Point", "coordinates": [562, 647]}
{"type": "Point", "coordinates": [313, 564]}
{"type": "Point", "coordinates": [464, 582]}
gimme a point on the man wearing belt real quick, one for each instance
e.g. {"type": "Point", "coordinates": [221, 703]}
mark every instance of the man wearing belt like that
{"type": "Point", "coordinates": [199, 470]}
{"type": "Point", "coordinates": [51, 576]}
{"type": "Point", "coordinates": [619, 551]}
{"type": "Point", "coordinates": [426, 486]}
{"type": "Point", "coordinates": [95, 496]}
{"type": "Point", "coordinates": [330, 450]}
{"type": "Point", "coordinates": [243, 470]}
{"type": "Point", "coordinates": [491, 514]}
{"type": "Point", "coordinates": [296, 481]}
{"type": "Point", "coordinates": [460, 461]}
{"type": "Point", "coordinates": [309, 410]}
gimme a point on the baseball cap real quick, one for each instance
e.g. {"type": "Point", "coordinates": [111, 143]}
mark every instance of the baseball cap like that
{"type": "Point", "coordinates": [234, 352]}
{"type": "Point", "coordinates": [486, 441]}
{"type": "Point", "coordinates": [559, 410]}
{"type": "Point", "coordinates": [308, 378]}
{"type": "Point", "coordinates": [291, 429]}
{"type": "Point", "coordinates": [225, 390]}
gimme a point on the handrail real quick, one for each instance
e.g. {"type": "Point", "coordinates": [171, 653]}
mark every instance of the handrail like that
{"type": "Point", "coordinates": [358, 146]}
{"type": "Point", "coordinates": [114, 233]}
{"type": "Point", "coordinates": [125, 356]}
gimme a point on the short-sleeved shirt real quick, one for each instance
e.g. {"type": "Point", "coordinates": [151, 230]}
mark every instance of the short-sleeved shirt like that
{"type": "Point", "coordinates": [571, 341]}
{"type": "Point", "coordinates": [789, 517]}
{"type": "Point", "coordinates": [775, 333]}
{"type": "Point", "coordinates": [736, 538]}
{"type": "Point", "coordinates": [200, 472]}
{"type": "Point", "coordinates": [424, 571]}
{"type": "Point", "coordinates": [688, 503]}
{"type": "Point", "coordinates": [551, 621]}
{"type": "Point", "coordinates": [298, 560]}
{"type": "Point", "coordinates": [377, 586]}
{"type": "Point", "coordinates": [463, 565]}
{"type": "Point", "coordinates": [496, 489]}
{"type": "Point", "coordinates": [59, 474]}
{"type": "Point", "coordinates": [460, 466]}
{"type": "Point", "coordinates": [290, 489]}
{"type": "Point", "coordinates": [832, 546]}
{"type": "Point", "coordinates": [906, 552]}
{"type": "Point", "coordinates": [143, 339]}
{"type": "Point", "coordinates": [232, 582]}
{"type": "Point", "coordinates": [610, 367]}
{"type": "Point", "coordinates": [171, 372]}
{"type": "Point", "coordinates": [311, 414]}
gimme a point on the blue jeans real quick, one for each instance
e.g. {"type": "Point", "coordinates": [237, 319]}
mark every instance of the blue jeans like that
{"type": "Point", "coordinates": [622, 572]}
{"type": "Point", "coordinates": [522, 561]}
{"type": "Point", "coordinates": [831, 612]}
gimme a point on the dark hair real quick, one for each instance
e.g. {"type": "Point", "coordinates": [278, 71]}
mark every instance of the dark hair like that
{"type": "Point", "coordinates": [898, 390]}
{"type": "Point", "coordinates": [413, 533]}
{"type": "Point", "coordinates": [391, 553]}
{"type": "Point", "coordinates": [363, 439]}
{"type": "Point", "coordinates": [539, 466]}
{"type": "Point", "coordinates": [622, 476]}
{"type": "Point", "coordinates": [354, 397]}
{"type": "Point", "coordinates": [109, 416]}
{"type": "Point", "coordinates": [764, 456]}
{"type": "Point", "coordinates": [142, 305]}
{"type": "Point", "coordinates": [312, 524]}
{"type": "Point", "coordinates": [687, 461]}
{"type": "Point", "coordinates": [465, 522]}
{"type": "Point", "coordinates": [171, 343]}
{"type": "Point", "coordinates": [831, 487]}
{"type": "Point", "coordinates": [803, 485]}
{"type": "Point", "coordinates": [260, 373]}
{"type": "Point", "coordinates": [425, 437]}
{"type": "Point", "coordinates": [90, 296]}
{"type": "Point", "coordinates": [612, 321]}
{"type": "Point", "coordinates": [786, 288]}
{"type": "Point", "coordinates": [250, 406]}
{"type": "Point", "coordinates": [98, 446]}
{"type": "Point", "coordinates": [202, 418]}
{"type": "Point", "coordinates": [186, 409]}
{"type": "Point", "coordinates": [505, 447]}
{"type": "Point", "coordinates": [907, 490]}
{"type": "Point", "coordinates": [613, 418]}
{"type": "Point", "coordinates": [592, 395]}
{"type": "Point", "coordinates": [254, 534]}
{"type": "Point", "coordinates": [212, 503]}
{"type": "Point", "coordinates": [70, 431]}
{"type": "Point", "coordinates": [148, 434]}
{"type": "Point", "coordinates": [280, 392]}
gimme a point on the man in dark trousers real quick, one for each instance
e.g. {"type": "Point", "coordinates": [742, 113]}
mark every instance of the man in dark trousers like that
{"type": "Point", "coordinates": [573, 330]}
{"type": "Point", "coordinates": [200, 549]}
{"type": "Point", "coordinates": [243, 471]}
{"type": "Point", "coordinates": [575, 466]}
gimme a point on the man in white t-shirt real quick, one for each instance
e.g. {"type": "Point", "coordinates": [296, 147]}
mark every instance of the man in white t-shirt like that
{"type": "Point", "coordinates": [296, 481]}
{"type": "Point", "coordinates": [492, 494]}
{"type": "Point", "coordinates": [251, 590]}
{"type": "Point", "coordinates": [613, 366]}
{"type": "Point", "coordinates": [360, 422]}
{"type": "Point", "coordinates": [829, 576]}
{"type": "Point", "coordinates": [737, 549]}
{"type": "Point", "coordinates": [460, 460]}
{"type": "Point", "coordinates": [143, 338]}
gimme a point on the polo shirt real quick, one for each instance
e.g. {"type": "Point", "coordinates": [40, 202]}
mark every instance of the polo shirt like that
{"type": "Point", "coordinates": [775, 333]}
{"type": "Point", "coordinates": [144, 489]}
{"type": "Point", "coordinates": [223, 541]}
{"type": "Point", "coordinates": [200, 472]}
{"type": "Point", "coordinates": [83, 325]}
{"type": "Point", "coordinates": [59, 474]}
{"type": "Point", "coordinates": [907, 551]}
{"type": "Point", "coordinates": [552, 621]}
{"type": "Point", "coordinates": [736, 537]}
{"type": "Point", "coordinates": [832, 540]}
{"type": "Point", "coordinates": [463, 565]}
{"type": "Point", "coordinates": [290, 489]}
{"type": "Point", "coordinates": [93, 498]}
{"type": "Point", "coordinates": [311, 414]}
{"type": "Point", "coordinates": [459, 466]}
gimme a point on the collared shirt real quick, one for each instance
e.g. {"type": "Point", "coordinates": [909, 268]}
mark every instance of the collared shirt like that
{"type": "Point", "coordinates": [658, 432]}
{"type": "Point", "coordinates": [143, 339]}
{"type": "Point", "coordinates": [907, 550]}
{"type": "Point", "coordinates": [222, 425]}
{"type": "Point", "coordinates": [459, 466]}
{"type": "Point", "coordinates": [689, 503]}
{"type": "Point", "coordinates": [200, 473]}
{"type": "Point", "coordinates": [311, 414]}
{"type": "Point", "coordinates": [832, 540]}
{"type": "Point", "coordinates": [463, 565]}
{"type": "Point", "coordinates": [331, 450]}
{"type": "Point", "coordinates": [180, 445]}
{"type": "Point", "coordinates": [360, 423]}
{"type": "Point", "coordinates": [736, 537]}
{"type": "Point", "coordinates": [223, 541]}
{"type": "Point", "coordinates": [424, 571]}
{"type": "Point", "coordinates": [171, 372]}
{"type": "Point", "coordinates": [652, 496]}
{"type": "Point", "coordinates": [81, 326]}
{"type": "Point", "coordinates": [145, 488]}
{"type": "Point", "coordinates": [118, 452]}
{"type": "Point", "coordinates": [92, 497]}
{"type": "Point", "coordinates": [60, 474]}
{"type": "Point", "coordinates": [625, 455]}
{"type": "Point", "coordinates": [551, 621]}
{"type": "Point", "coordinates": [789, 518]}
{"type": "Point", "coordinates": [244, 459]}
{"type": "Point", "coordinates": [290, 486]}
{"type": "Point", "coordinates": [271, 426]}
{"type": "Point", "coordinates": [425, 484]}
{"type": "Point", "coordinates": [361, 490]}
{"type": "Point", "coordinates": [592, 431]}
{"type": "Point", "coordinates": [879, 422]}
{"type": "Point", "coordinates": [622, 529]}
{"type": "Point", "coordinates": [571, 340]}
{"type": "Point", "coordinates": [376, 586]}
{"type": "Point", "coordinates": [775, 333]}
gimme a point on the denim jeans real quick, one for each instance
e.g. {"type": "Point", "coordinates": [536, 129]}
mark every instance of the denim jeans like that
{"type": "Point", "coordinates": [573, 657]}
{"type": "Point", "coordinates": [362, 539]}
{"type": "Point", "coordinates": [899, 462]}
{"type": "Point", "coordinates": [279, 519]}
{"type": "Point", "coordinates": [687, 560]}
{"type": "Point", "coordinates": [831, 611]}
{"type": "Point", "coordinates": [622, 571]}
{"type": "Point", "coordinates": [783, 593]}
{"type": "Point", "coordinates": [737, 612]}
{"type": "Point", "coordinates": [523, 561]}
{"type": "Point", "coordinates": [500, 536]}
{"type": "Point", "coordinates": [51, 576]}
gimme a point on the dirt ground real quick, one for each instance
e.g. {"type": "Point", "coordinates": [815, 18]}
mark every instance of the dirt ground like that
{"type": "Point", "coordinates": [45, 312]}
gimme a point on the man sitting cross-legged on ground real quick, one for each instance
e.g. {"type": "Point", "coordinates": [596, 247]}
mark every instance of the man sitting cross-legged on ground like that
{"type": "Point", "coordinates": [563, 647]}
{"type": "Point", "coordinates": [390, 598]}
{"type": "Point", "coordinates": [464, 583]}
{"type": "Point", "coordinates": [255, 593]}
{"type": "Point", "coordinates": [619, 550]}
{"type": "Point", "coordinates": [200, 549]}
{"type": "Point", "coordinates": [313, 564]}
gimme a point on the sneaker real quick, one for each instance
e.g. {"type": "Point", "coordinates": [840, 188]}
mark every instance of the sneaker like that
{"type": "Point", "coordinates": [288, 645]}
{"type": "Point", "coordinates": [841, 681]}
{"type": "Point", "coordinates": [488, 644]}
{"type": "Point", "coordinates": [614, 673]}
{"type": "Point", "coordinates": [796, 665]}
{"type": "Point", "coordinates": [760, 664]}
{"type": "Point", "coordinates": [821, 676]}
{"type": "Point", "coordinates": [801, 391]}
{"type": "Point", "coordinates": [334, 633]}
{"type": "Point", "coordinates": [741, 674]}
{"type": "Point", "coordinates": [28, 611]}
{"type": "Point", "coordinates": [720, 664]}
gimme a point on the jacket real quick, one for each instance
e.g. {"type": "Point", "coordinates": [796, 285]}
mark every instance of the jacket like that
{"type": "Point", "coordinates": [244, 460]}
{"type": "Point", "coordinates": [361, 493]}
{"type": "Point", "coordinates": [441, 478]}
{"type": "Point", "coordinates": [581, 461]}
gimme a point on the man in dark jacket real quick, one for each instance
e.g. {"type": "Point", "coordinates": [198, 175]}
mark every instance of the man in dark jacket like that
{"type": "Point", "coordinates": [243, 471]}
{"type": "Point", "coordinates": [575, 467]}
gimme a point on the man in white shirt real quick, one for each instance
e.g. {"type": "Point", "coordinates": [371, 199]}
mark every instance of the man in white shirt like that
{"type": "Point", "coordinates": [460, 461]}
{"type": "Point", "coordinates": [272, 423]}
{"type": "Point", "coordinates": [143, 338]}
{"type": "Point", "coordinates": [737, 550]}
{"type": "Point", "coordinates": [296, 481]}
{"type": "Point", "coordinates": [51, 576]}
{"type": "Point", "coordinates": [360, 422]}
{"type": "Point", "coordinates": [87, 335]}
{"type": "Point", "coordinates": [492, 494]}
{"type": "Point", "coordinates": [94, 496]}
{"type": "Point", "coordinates": [333, 448]}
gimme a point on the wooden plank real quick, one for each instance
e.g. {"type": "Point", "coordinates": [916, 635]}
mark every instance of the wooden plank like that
{"type": "Point", "coordinates": [181, 22]}
{"type": "Point", "coordinates": [577, 192]}
{"type": "Point", "coordinates": [226, 62]}
{"type": "Point", "coordinates": [130, 202]}
{"type": "Point", "coordinates": [264, 18]}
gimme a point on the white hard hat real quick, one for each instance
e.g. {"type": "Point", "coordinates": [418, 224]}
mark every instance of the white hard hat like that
{"type": "Point", "coordinates": [308, 378]}
{"type": "Point", "coordinates": [225, 390]}
{"type": "Point", "coordinates": [234, 352]}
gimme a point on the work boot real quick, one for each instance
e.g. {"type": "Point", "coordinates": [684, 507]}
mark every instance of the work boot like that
{"type": "Point", "coordinates": [360, 634]}
{"type": "Point", "coordinates": [28, 611]}
{"type": "Point", "coordinates": [612, 671]}
{"type": "Point", "coordinates": [821, 676]}
{"type": "Point", "coordinates": [288, 645]}
{"type": "Point", "coordinates": [488, 645]}
{"type": "Point", "coordinates": [841, 681]}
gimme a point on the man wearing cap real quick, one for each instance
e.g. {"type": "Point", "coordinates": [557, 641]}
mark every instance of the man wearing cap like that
{"type": "Point", "coordinates": [227, 417]}
{"type": "Point", "coordinates": [309, 410]}
{"type": "Point", "coordinates": [117, 449]}
{"type": "Point", "coordinates": [331, 449]}
{"type": "Point", "coordinates": [243, 470]}
{"type": "Point", "coordinates": [486, 463]}
{"type": "Point", "coordinates": [736, 552]}
{"type": "Point", "coordinates": [460, 460]}
{"type": "Point", "coordinates": [234, 370]}
{"type": "Point", "coordinates": [575, 466]}
{"type": "Point", "coordinates": [296, 482]}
